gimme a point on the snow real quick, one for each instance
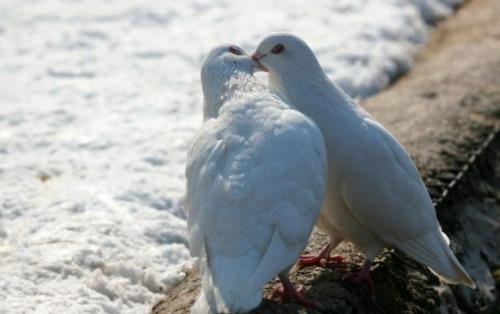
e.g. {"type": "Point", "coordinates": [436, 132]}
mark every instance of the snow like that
{"type": "Point", "coordinates": [98, 100]}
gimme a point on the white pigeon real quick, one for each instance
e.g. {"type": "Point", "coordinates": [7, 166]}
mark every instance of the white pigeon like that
{"type": "Point", "coordinates": [375, 196]}
{"type": "Point", "coordinates": [256, 178]}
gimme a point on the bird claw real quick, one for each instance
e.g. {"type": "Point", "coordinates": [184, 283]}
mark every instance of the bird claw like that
{"type": "Point", "coordinates": [318, 260]}
{"type": "Point", "coordinates": [287, 293]}
{"type": "Point", "coordinates": [363, 275]}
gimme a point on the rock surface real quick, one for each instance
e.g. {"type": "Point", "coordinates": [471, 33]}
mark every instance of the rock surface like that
{"type": "Point", "coordinates": [445, 112]}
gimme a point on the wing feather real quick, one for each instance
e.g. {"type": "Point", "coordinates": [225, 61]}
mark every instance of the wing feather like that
{"type": "Point", "coordinates": [388, 197]}
{"type": "Point", "coordinates": [256, 180]}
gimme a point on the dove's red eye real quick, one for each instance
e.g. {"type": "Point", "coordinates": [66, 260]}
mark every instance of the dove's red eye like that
{"type": "Point", "coordinates": [278, 49]}
{"type": "Point", "coordinates": [235, 50]}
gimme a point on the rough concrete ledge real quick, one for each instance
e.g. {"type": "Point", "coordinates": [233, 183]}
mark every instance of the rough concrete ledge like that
{"type": "Point", "coordinates": [446, 112]}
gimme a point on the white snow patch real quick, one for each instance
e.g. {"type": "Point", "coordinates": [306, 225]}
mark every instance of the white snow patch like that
{"type": "Point", "coordinates": [98, 101]}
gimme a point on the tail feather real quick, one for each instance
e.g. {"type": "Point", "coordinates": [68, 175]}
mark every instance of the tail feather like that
{"type": "Point", "coordinates": [233, 284]}
{"type": "Point", "coordinates": [224, 287]}
{"type": "Point", "coordinates": [209, 300]}
{"type": "Point", "coordinates": [433, 251]}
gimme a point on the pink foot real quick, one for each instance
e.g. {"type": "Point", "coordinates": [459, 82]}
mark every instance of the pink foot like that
{"type": "Point", "coordinates": [322, 259]}
{"type": "Point", "coordinates": [288, 292]}
{"type": "Point", "coordinates": [363, 275]}
{"type": "Point", "coordinates": [318, 260]}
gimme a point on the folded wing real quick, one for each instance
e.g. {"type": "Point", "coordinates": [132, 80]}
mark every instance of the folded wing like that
{"type": "Point", "coordinates": [256, 180]}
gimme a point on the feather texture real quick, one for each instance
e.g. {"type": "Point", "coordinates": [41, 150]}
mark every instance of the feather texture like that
{"type": "Point", "coordinates": [375, 197]}
{"type": "Point", "coordinates": [256, 176]}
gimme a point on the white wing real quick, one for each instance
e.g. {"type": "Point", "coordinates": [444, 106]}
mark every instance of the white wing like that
{"type": "Point", "coordinates": [205, 154]}
{"type": "Point", "coordinates": [385, 192]}
{"type": "Point", "coordinates": [390, 199]}
{"type": "Point", "coordinates": [256, 180]}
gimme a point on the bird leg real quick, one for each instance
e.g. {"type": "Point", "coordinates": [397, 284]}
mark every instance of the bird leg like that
{"type": "Point", "coordinates": [363, 275]}
{"type": "Point", "coordinates": [321, 259]}
{"type": "Point", "coordinates": [289, 292]}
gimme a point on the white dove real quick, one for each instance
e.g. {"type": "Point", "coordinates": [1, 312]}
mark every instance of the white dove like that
{"type": "Point", "coordinates": [256, 178]}
{"type": "Point", "coordinates": [375, 196]}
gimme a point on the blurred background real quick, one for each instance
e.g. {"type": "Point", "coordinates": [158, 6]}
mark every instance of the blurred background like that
{"type": "Point", "coordinates": [98, 101]}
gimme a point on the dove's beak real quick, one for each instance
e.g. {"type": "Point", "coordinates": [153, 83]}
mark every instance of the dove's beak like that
{"type": "Point", "coordinates": [256, 56]}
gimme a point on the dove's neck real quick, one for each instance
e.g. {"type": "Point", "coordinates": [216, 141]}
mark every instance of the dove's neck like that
{"type": "Point", "coordinates": [219, 90]}
{"type": "Point", "coordinates": [310, 90]}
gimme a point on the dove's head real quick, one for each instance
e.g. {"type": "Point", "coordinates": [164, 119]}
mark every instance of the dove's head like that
{"type": "Point", "coordinates": [226, 68]}
{"type": "Point", "coordinates": [287, 58]}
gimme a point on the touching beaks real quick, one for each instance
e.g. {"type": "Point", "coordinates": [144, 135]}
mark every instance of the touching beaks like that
{"type": "Point", "coordinates": [256, 57]}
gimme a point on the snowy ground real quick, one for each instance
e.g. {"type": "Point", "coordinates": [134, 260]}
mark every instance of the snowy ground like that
{"type": "Point", "coordinates": [98, 100]}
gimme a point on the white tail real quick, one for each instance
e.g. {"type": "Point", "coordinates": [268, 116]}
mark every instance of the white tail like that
{"type": "Point", "coordinates": [229, 292]}
{"type": "Point", "coordinates": [433, 251]}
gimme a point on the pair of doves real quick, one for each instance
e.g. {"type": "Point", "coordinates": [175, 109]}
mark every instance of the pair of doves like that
{"type": "Point", "coordinates": [270, 162]}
